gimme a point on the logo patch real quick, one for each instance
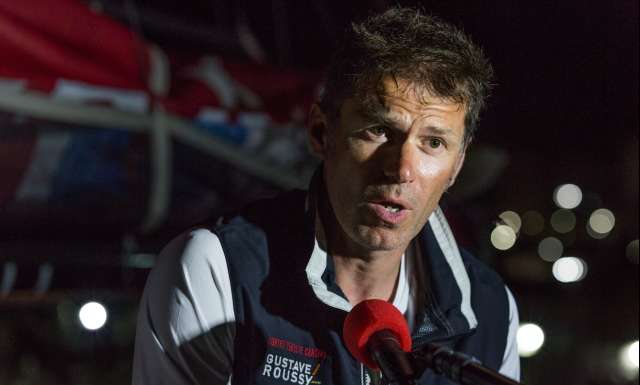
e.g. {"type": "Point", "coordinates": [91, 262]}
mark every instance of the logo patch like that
{"type": "Point", "coordinates": [297, 364]}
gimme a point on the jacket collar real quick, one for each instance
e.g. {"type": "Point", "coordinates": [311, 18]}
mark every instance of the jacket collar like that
{"type": "Point", "coordinates": [447, 310]}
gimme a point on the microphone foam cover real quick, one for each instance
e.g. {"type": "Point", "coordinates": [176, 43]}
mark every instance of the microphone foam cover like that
{"type": "Point", "coordinates": [367, 318]}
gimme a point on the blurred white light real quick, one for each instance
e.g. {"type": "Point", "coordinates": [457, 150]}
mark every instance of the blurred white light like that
{"type": "Point", "coordinates": [632, 353]}
{"type": "Point", "coordinates": [594, 234]}
{"type": "Point", "coordinates": [532, 222]}
{"type": "Point", "coordinates": [629, 356]}
{"type": "Point", "coordinates": [45, 274]}
{"type": "Point", "coordinates": [511, 219]}
{"type": "Point", "coordinates": [569, 269]}
{"type": "Point", "coordinates": [563, 221]}
{"type": "Point", "coordinates": [602, 221]}
{"type": "Point", "coordinates": [530, 339]}
{"type": "Point", "coordinates": [567, 196]}
{"type": "Point", "coordinates": [550, 249]}
{"type": "Point", "coordinates": [503, 237]}
{"type": "Point", "coordinates": [632, 251]}
{"type": "Point", "coordinates": [92, 315]}
{"type": "Point", "coordinates": [8, 279]}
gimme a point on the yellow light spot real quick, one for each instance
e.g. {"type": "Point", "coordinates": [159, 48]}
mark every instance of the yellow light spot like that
{"type": "Point", "coordinates": [511, 219]}
{"type": "Point", "coordinates": [602, 221]}
{"type": "Point", "coordinates": [503, 237]}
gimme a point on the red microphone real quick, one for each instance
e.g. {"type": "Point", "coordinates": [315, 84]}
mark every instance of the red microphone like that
{"type": "Point", "coordinates": [377, 335]}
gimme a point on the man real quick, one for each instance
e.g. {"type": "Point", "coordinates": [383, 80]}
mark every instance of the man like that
{"type": "Point", "coordinates": [261, 297]}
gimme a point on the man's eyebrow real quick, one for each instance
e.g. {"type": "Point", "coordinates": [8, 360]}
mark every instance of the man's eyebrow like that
{"type": "Point", "coordinates": [376, 115]}
{"type": "Point", "coordinates": [442, 131]}
{"type": "Point", "coordinates": [379, 116]}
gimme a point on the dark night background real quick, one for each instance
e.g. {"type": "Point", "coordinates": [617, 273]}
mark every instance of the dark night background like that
{"type": "Point", "coordinates": [564, 110]}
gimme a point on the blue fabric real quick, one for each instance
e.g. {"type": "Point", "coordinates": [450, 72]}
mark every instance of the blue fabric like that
{"type": "Point", "coordinates": [92, 167]}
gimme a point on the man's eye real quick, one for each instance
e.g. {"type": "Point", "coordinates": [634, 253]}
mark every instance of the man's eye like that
{"type": "Point", "coordinates": [377, 131]}
{"type": "Point", "coordinates": [435, 143]}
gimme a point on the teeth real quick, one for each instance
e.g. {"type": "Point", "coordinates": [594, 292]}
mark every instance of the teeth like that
{"type": "Point", "coordinates": [393, 209]}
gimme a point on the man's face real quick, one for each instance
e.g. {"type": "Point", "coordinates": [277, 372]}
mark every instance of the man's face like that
{"type": "Point", "coordinates": [387, 166]}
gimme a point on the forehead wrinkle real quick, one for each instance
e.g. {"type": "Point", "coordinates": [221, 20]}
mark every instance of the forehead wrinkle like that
{"type": "Point", "coordinates": [382, 114]}
{"type": "Point", "coordinates": [419, 96]}
{"type": "Point", "coordinates": [378, 115]}
{"type": "Point", "coordinates": [442, 131]}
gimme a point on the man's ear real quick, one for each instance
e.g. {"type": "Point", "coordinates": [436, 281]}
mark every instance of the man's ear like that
{"type": "Point", "coordinates": [317, 131]}
{"type": "Point", "coordinates": [458, 166]}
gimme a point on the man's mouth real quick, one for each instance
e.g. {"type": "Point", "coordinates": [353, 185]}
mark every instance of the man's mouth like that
{"type": "Point", "coordinates": [390, 203]}
{"type": "Point", "coordinates": [389, 212]}
{"type": "Point", "coordinates": [392, 207]}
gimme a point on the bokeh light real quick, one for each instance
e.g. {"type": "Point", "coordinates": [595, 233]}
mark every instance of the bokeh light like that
{"type": "Point", "coordinates": [632, 251]}
{"type": "Point", "coordinates": [530, 339]}
{"type": "Point", "coordinates": [569, 269]}
{"type": "Point", "coordinates": [563, 221]}
{"type": "Point", "coordinates": [629, 356]}
{"type": "Point", "coordinates": [92, 315]}
{"type": "Point", "coordinates": [602, 221]}
{"type": "Point", "coordinates": [503, 237]}
{"type": "Point", "coordinates": [567, 196]}
{"type": "Point", "coordinates": [8, 278]}
{"type": "Point", "coordinates": [511, 219]}
{"type": "Point", "coordinates": [595, 235]}
{"type": "Point", "coordinates": [550, 249]}
{"type": "Point", "coordinates": [632, 354]}
{"type": "Point", "coordinates": [532, 223]}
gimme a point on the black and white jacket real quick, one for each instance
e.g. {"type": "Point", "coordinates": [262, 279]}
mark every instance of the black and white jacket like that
{"type": "Point", "coordinates": [253, 301]}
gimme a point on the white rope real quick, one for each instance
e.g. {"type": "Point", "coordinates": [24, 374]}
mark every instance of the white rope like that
{"type": "Point", "coordinates": [160, 144]}
{"type": "Point", "coordinates": [161, 171]}
{"type": "Point", "coordinates": [40, 106]}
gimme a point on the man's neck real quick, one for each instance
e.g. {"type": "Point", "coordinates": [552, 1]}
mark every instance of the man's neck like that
{"type": "Point", "coordinates": [367, 278]}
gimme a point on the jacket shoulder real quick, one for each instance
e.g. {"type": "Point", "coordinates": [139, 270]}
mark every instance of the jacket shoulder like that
{"type": "Point", "coordinates": [491, 306]}
{"type": "Point", "coordinates": [262, 233]}
{"type": "Point", "coordinates": [484, 274]}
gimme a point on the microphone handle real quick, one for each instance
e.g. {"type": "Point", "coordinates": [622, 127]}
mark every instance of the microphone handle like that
{"type": "Point", "coordinates": [394, 363]}
{"type": "Point", "coordinates": [456, 366]}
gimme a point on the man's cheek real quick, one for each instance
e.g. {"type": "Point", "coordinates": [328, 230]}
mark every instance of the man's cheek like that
{"type": "Point", "coordinates": [360, 151]}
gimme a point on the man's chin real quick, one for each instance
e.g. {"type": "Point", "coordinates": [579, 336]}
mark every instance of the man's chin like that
{"type": "Point", "coordinates": [381, 239]}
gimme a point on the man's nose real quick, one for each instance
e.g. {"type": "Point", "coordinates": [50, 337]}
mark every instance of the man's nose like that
{"type": "Point", "coordinates": [400, 162]}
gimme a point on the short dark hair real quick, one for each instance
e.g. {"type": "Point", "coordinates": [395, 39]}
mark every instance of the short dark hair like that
{"type": "Point", "coordinates": [404, 43]}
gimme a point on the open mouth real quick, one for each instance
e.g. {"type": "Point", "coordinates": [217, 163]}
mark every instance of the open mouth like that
{"type": "Point", "coordinates": [389, 212]}
{"type": "Point", "coordinates": [391, 207]}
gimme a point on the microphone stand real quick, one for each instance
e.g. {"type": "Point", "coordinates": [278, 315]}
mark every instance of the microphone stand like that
{"type": "Point", "coordinates": [402, 368]}
{"type": "Point", "coordinates": [455, 366]}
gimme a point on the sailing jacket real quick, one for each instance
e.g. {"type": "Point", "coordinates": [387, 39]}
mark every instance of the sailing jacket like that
{"type": "Point", "coordinates": [254, 301]}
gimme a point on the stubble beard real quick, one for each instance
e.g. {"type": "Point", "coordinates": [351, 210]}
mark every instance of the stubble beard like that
{"type": "Point", "coordinates": [369, 237]}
